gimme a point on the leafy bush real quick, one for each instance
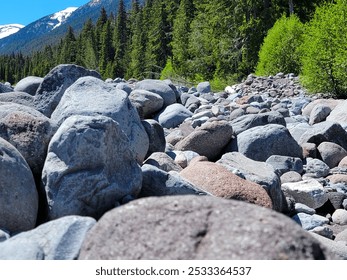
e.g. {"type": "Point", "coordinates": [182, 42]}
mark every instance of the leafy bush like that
{"type": "Point", "coordinates": [280, 51]}
{"type": "Point", "coordinates": [324, 52]}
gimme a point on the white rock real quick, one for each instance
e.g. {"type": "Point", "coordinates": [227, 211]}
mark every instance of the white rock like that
{"type": "Point", "coordinates": [309, 192]}
{"type": "Point", "coordinates": [340, 217]}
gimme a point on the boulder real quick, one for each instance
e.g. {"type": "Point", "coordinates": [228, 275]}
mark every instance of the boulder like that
{"type": "Point", "coordinates": [316, 168]}
{"type": "Point", "coordinates": [338, 114]}
{"type": "Point", "coordinates": [336, 199]}
{"type": "Point", "coordinates": [29, 85]}
{"type": "Point", "coordinates": [147, 103]}
{"type": "Point", "coordinates": [19, 197]}
{"type": "Point", "coordinates": [331, 103]}
{"type": "Point", "coordinates": [163, 162]}
{"type": "Point", "coordinates": [259, 143]}
{"type": "Point", "coordinates": [325, 132]}
{"type": "Point", "coordinates": [338, 178]}
{"type": "Point", "coordinates": [55, 83]}
{"type": "Point", "coordinates": [5, 88]}
{"type": "Point", "coordinates": [208, 140]}
{"type": "Point", "coordinates": [336, 248]}
{"type": "Point", "coordinates": [124, 86]}
{"type": "Point", "coordinates": [156, 136]}
{"type": "Point", "coordinates": [342, 236]}
{"type": "Point", "coordinates": [323, 231]}
{"type": "Point", "coordinates": [173, 115]}
{"type": "Point", "coordinates": [302, 208]}
{"type": "Point", "coordinates": [56, 240]}
{"type": "Point", "coordinates": [290, 177]}
{"type": "Point", "coordinates": [4, 235]}
{"type": "Point", "coordinates": [245, 122]}
{"type": "Point", "coordinates": [204, 87]}
{"type": "Point", "coordinates": [319, 113]}
{"type": "Point", "coordinates": [343, 163]}
{"type": "Point", "coordinates": [18, 98]}
{"type": "Point", "coordinates": [217, 180]}
{"type": "Point", "coordinates": [29, 131]}
{"type": "Point", "coordinates": [159, 87]}
{"type": "Point", "coordinates": [283, 164]}
{"type": "Point", "coordinates": [331, 153]}
{"type": "Point", "coordinates": [258, 172]}
{"type": "Point", "coordinates": [308, 222]}
{"type": "Point", "coordinates": [90, 167]}
{"type": "Point", "coordinates": [309, 192]}
{"type": "Point", "coordinates": [188, 228]}
{"type": "Point", "coordinates": [340, 217]}
{"type": "Point", "coordinates": [157, 182]}
{"type": "Point", "coordinates": [90, 96]}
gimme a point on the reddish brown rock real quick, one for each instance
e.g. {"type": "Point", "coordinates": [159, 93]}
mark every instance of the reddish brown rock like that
{"type": "Point", "coordinates": [218, 181]}
{"type": "Point", "coordinates": [337, 178]}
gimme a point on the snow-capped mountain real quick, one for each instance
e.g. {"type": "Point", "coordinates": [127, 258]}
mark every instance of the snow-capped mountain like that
{"type": "Point", "coordinates": [9, 29]}
{"type": "Point", "coordinates": [50, 29]}
{"type": "Point", "coordinates": [59, 18]}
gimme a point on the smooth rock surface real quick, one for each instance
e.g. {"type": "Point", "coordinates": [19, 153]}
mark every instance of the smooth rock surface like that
{"type": "Point", "coordinates": [340, 217]}
{"type": "Point", "coordinates": [29, 84]}
{"type": "Point", "coordinates": [331, 153]}
{"type": "Point", "coordinates": [147, 103]}
{"type": "Point", "coordinates": [21, 98]}
{"type": "Point", "coordinates": [173, 115]}
{"type": "Point", "coordinates": [208, 140]}
{"type": "Point", "coordinates": [309, 222]}
{"type": "Point", "coordinates": [217, 180]}
{"type": "Point", "coordinates": [189, 227]}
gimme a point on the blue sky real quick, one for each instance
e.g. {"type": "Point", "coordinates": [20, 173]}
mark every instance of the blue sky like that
{"type": "Point", "coordinates": [27, 11]}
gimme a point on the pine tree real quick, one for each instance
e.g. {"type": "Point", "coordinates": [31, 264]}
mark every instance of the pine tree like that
{"type": "Point", "coordinates": [181, 34]}
{"type": "Point", "coordinates": [157, 45]}
{"type": "Point", "coordinates": [106, 51]}
{"type": "Point", "coordinates": [68, 50]}
{"type": "Point", "coordinates": [88, 46]}
{"type": "Point", "coordinates": [136, 55]}
{"type": "Point", "coordinates": [120, 39]}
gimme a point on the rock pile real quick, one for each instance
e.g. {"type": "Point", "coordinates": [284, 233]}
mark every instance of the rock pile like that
{"type": "Point", "coordinates": [86, 164]}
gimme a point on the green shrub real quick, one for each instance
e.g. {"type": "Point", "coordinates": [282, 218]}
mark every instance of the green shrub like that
{"type": "Point", "coordinates": [324, 50]}
{"type": "Point", "coordinates": [280, 51]}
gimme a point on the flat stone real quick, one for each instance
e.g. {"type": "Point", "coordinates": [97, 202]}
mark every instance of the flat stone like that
{"type": "Point", "coordinates": [285, 164]}
{"type": "Point", "coordinates": [302, 208]}
{"type": "Point", "coordinates": [290, 177]}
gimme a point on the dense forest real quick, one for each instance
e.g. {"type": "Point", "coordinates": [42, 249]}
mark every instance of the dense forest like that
{"type": "Point", "coordinates": [194, 40]}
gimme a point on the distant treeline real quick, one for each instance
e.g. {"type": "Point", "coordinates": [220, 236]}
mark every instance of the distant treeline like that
{"type": "Point", "coordinates": [216, 40]}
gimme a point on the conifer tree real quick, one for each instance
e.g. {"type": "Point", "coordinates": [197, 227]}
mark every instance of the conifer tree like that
{"type": "Point", "coordinates": [120, 40]}
{"type": "Point", "coordinates": [106, 65]}
{"type": "Point", "coordinates": [68, 50]}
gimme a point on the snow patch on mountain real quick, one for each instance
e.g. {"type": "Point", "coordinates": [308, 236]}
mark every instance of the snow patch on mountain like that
{"type": "Point", "coordinates": [61, 16]}
{"type": "Point", "coordinates": [9, 29]}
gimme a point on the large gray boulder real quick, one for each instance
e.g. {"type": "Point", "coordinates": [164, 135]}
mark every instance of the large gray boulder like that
{"type": "Point", "coordinates": [55, 83]}
{"type": "Point", "coordinates": [90, 167]}
{"type": "Point", "coordinates": [261, 142]}
{"type": "Point", "coordinates": [158, 87]}
{"type": "Point", "coordinates": [173, 115]}
{"type": "Point", "coordinates": [28, 130]}
{"type": "Point", "coordinates": [90, 96]}
{"type": "Point", "coordinates": [203, 227]}
{"type": "Point", "coordinates": [19, 197]}
{"type": "Point", "coordinates": [147, 103]}
{"type": "Point", "coordinates": [18, 98]}
{"type": "Point", "coordinates": [331, 153]}
{"type": "Point", "coordinates": [29, 84]}
{"type": "Point", "coordinates": [245, 122]}
{"type": "Point", "coordinates": [208, 140]}
{"type": "Point", "coordinates": [325, 132]}
{"type": "Point", "coordinates": [157, 182]}
{"type": "Point", "coordinates": [257, 172]}
{"type": "Point", "coordinates": [56, 240]}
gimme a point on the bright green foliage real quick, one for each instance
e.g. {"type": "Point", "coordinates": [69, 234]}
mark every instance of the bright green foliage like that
{"type": "Point", "coordinates": [280, 51]}
{"type": "Point", "coordinates": [324, 50]}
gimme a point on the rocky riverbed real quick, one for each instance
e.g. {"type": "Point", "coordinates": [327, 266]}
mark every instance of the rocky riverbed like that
{"type": "Point", "coordinates": [116, 169]}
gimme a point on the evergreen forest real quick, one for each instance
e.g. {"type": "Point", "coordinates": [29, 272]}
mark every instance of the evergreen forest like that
{"type": "Point", "coordinates": [194, 40]}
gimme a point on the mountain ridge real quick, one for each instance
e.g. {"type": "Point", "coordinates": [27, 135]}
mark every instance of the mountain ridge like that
{"type": "Point", "coordinates": [9, 29]}
{"type": "Point", "coordinates": [29, 39]}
